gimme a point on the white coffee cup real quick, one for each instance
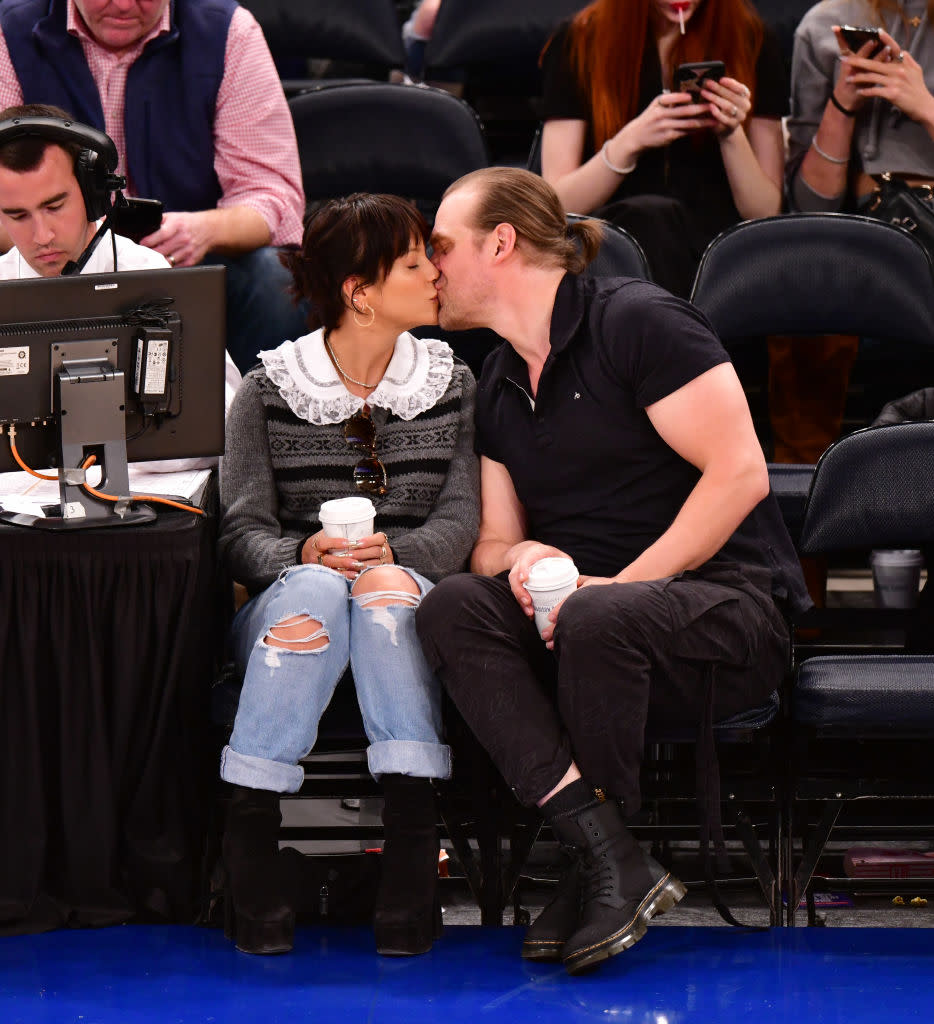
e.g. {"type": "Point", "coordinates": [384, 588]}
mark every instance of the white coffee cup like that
{"type": "Point", "coordinates": [896, 575]}
{"type": "Point", "coordinates": [550, 581]}
{"type": "Point", "coordinates": [352, 518]}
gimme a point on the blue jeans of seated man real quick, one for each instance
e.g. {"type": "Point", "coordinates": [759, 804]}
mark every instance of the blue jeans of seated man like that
{"type": "Point", "coordinates": [285, 692]}
{"type": "Point", "coordinates": [260, 312]}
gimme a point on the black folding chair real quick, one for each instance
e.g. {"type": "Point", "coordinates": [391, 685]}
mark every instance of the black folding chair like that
{"type": "Point", "coordinates": [862, 719]}
{"type": "Point", "coordinates": [493, 48]}
{"type": "Point", "coordinates": [364, 34]}
{"type": "Point", "coordinates": [407, 140]}
{"type": "Point", "coordinates": [812, 274]}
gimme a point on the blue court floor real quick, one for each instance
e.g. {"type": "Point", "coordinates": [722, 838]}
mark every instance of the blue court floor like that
{"type": "Point", "coordinates": [180, 975]}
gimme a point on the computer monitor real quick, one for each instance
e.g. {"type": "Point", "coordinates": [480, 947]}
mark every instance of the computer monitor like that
{"type": "Point", "coordinates": [118, 365]}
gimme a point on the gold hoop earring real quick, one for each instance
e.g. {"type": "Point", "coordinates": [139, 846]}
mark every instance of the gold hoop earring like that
{"type": "Point", "coordinates": [366, 308]}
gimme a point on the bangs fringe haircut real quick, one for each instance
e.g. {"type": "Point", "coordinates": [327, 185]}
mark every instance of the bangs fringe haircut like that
{"type": "Point", "coordinates": [362, 236]}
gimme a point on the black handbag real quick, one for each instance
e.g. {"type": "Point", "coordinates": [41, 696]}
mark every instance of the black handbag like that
{"type": "Point", "coordinates": [907, 207]}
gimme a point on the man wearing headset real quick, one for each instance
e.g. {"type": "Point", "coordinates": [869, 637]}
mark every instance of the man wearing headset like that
{"type": "Point", "coordinates": [47, 215]}
{"type": "Point", "coordinates": [51, 216]}
{"type": "Point", "coordinates": [190, 95]}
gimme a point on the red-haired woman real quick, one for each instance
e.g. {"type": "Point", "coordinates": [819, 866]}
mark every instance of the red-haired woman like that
{"type": "Point", "coordinates": [619, 141]}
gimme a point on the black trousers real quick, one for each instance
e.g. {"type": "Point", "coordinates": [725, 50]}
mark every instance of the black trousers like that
{"type": "Point", "coordinates": [706, 642]}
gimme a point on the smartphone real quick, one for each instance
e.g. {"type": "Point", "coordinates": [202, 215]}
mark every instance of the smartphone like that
{"type": "Point", "coordinates": [857, 36]}
{"type": "Point", "coordinates": [691, 77]}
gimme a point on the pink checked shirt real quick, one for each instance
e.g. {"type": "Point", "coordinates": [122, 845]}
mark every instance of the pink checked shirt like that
{"type": "Point", "coordinates": [255, 152]}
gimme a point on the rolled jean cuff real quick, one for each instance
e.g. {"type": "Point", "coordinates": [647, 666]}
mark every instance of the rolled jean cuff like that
{"type": "Point", "coordinates": [260, 772]}
{"type": "Point", "coordinates": [409, 757]}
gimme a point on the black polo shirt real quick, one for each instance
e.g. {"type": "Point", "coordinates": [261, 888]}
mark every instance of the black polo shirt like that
{"type": "Point", "coordinates": [594, 477]}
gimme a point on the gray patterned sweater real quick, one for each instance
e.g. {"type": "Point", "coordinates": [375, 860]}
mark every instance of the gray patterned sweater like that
{"type": "Point", "coordinates": [281, 464]}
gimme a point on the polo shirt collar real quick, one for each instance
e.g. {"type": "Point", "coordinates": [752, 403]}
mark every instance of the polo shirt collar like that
{"type": "Point", "coordinates": [568, 312]}
{"type": "Point", "coordinates": [566, 317]}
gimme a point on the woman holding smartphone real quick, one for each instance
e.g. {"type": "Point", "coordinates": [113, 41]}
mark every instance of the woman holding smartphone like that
{"type": "Point", "coordinates": [860, 110]}
{"type": "Point", "coordinates": [861, 105]}
{"type": "Point", "coordinates": [672, 168]}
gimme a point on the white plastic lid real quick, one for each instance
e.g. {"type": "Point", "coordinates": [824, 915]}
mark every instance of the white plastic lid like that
{"type": "Point", "coordinates": [346, 510]}
{"type": "Point", "coordinates": [551, 572]}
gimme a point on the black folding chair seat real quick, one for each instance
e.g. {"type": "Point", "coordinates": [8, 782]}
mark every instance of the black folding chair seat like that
{"type": "Point", "coordinates": [866, 695]}
{"type": "Point", "coordinates": [739, 728]}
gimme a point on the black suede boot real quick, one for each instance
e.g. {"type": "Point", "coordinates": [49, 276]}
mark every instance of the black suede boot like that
{"type": "Point", "coordinates": [259, 910]}
{"type": "Point", "coordinates": [559, 919]}
{"type": "Point", "coordinates": [408, 912]}
{"type": "Point", "coordinates": [622, 888]}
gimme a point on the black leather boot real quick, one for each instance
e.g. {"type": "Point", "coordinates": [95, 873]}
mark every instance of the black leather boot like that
{"type": "Point", "coordinates": [259, 908]}
{"type": "Point", "coordinates": [622, 888]}
{"type": "Point", "coordinates": [408, 912]}
{"type": "Point", "coordinates": [559, 919]}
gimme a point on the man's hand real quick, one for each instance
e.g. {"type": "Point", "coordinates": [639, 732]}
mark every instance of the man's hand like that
{"type": "Point", "coordinates": [183, 238]}
{"type": "Point", "coordinates": [523, 557]}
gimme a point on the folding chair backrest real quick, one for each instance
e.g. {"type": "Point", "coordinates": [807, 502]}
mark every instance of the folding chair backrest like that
{"type": "Point", "coordinates": [873, 489]}
{"type": "Point", "coordinates": [361, 31]}
{"type": "Point", "coordinates": [406, 140]}
{"type": "Point", "coordinates": [490, 31]}
{"type": "Point", "coordinates": [808, 274]}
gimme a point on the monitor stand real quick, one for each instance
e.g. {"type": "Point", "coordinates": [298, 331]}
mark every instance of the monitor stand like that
{"type": "Point", "coordinates": [89, 399]}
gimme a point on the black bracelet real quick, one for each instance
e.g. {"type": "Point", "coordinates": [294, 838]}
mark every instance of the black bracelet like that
{"type": "Point", "coordinates": [840, 106]}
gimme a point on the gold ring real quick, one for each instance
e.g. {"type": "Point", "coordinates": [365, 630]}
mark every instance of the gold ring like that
{"type": "Point", "coordinates": [320, 558]}
{"type": "Point", "coordinates": [901, 56]}
{"type": "Point", "coordinates": [314, 542]}
{"type": "Point", "coordinates": [171, 260]}
{"type": "Point", "coordinates": [382, 553]}
{"type": "Point", "coordinates": [735, 111]}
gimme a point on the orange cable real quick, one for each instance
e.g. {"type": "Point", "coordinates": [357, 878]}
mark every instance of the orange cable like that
{"type": "Point", "coordinates": [22, 465]}
{"type": "Point", "coordinates": [91, 459]}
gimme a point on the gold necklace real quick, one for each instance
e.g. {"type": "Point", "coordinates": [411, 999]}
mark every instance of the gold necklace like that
{"type": "Point", "coordinates": [342, 371]}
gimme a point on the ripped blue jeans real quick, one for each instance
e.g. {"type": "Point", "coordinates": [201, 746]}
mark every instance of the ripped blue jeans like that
{"type": "Point", "coordinates": [285, 692]}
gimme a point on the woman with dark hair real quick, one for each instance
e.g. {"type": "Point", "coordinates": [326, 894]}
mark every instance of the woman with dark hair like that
{"type": "Point", "coordinates": [358, 407]}
{"type": "Point", "coordinates": [624, 140]}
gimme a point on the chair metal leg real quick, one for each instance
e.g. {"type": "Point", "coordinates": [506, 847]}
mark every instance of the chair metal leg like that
{"type": "Point", "coordinates": [813, 849]}
{"type": "Point", "coordinates": [760, 862]}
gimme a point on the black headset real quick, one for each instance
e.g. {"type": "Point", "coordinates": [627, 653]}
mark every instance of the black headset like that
{"type": "Point", "coordinates": [94, 165]}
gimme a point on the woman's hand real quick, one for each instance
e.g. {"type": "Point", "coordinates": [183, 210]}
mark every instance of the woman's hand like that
{"type": "Point", "coordinates": [670, 116]}
{"type": "Point", "coordinates": [846, 91]}
{"type": "Point", "coordinates": [894, 75]}
{"type": "Point", "coordinates": [348, 557]}
{"type": "Point", "coordinates": [729, 103]}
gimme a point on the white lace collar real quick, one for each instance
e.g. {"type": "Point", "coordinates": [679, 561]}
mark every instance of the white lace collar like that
{"type": "Point", "coordinates": [417, 376]}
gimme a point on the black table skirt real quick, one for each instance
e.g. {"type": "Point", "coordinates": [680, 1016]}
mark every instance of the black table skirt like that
{"type": "Point", "coordinates": [108, 642]}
